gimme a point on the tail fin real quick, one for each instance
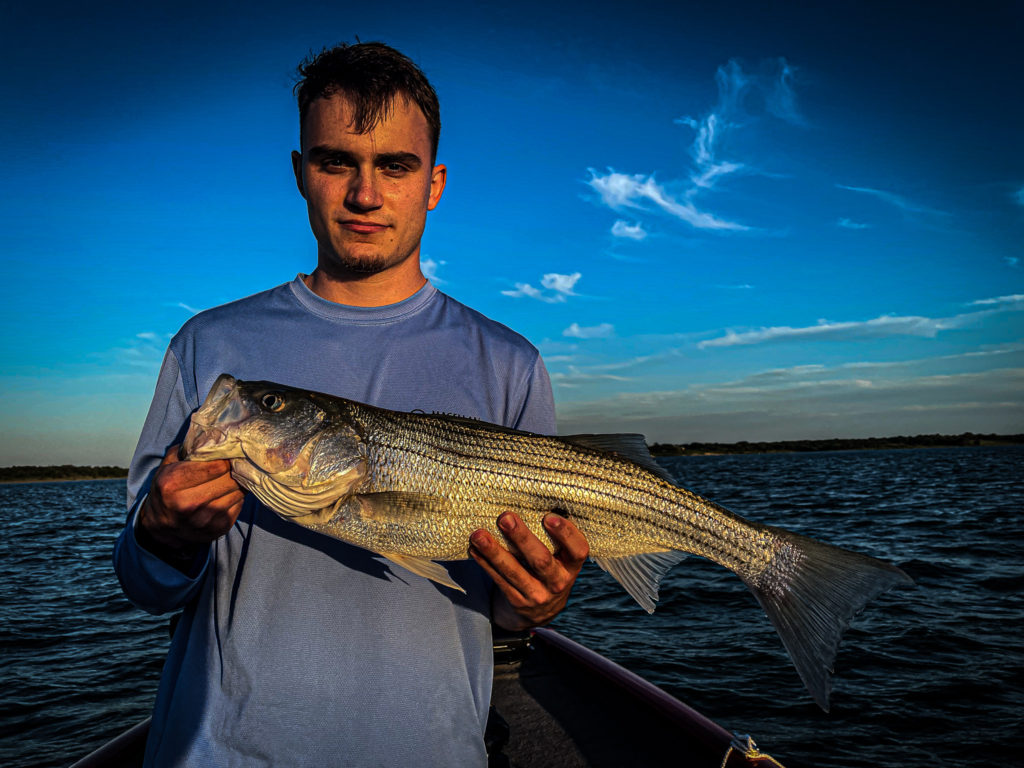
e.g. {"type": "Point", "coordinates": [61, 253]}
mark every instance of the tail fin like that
{"type": "Point", "coordinates": [810, 591]}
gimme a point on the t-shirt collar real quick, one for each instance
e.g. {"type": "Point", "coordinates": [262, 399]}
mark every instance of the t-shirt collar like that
{"type": "Point", "coordinates": [333, 310]}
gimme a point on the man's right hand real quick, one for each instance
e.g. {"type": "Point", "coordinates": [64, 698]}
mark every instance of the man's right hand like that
{"type": "Point", "coordinates": [190, 504]}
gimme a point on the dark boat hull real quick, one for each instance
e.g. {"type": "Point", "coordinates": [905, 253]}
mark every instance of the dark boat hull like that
{"type": "Point", "coordinates": [569, 707]}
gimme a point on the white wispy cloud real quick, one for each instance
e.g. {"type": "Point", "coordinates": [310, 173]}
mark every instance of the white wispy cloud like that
{"type": "Point", "coordinates": [557, 288]}
{"type": "Point", "coordinates": [773, 86]}
{"type": "Point", "coordinates": [704, 150]}
{"type": "Point", "coordinates": [562, 284]}
{"type": "Point", "coordinates": [601, 331]}
{"type": "Point", "coordinates": [847, 399]}
{"type": "Point", "coordinates": [1001, 349]}
{"type": "Point", "coordinates": [809, 404]}
{"type": "Point", "coordinates": [183, 305]}
{"type": "Point", "coordinates": [631, 231]}
{"type": "Point", "coordinates": [574, 377]}
{"type": "Point", "coordinates": [780, 96]}
{"type": "Point", "coordinates": [1014, 301]}
{"type": "Point", "coordinates": [525, 289]}
{"type": "Point", "coordinates": [860, 374]}
{"type": "Point", "coordinates": [619, 190]}
{"type": "Point", "coordinates": [893, 199]}
{"type": "Point", "coordinates": [850, 224]}
{"type": "Point", "coordinates": [430, 267]}
{"type": "Point", "coordinates": [641, 367]}
{"type": "Point", "coordinates": [577, 370]}
{"type": "Point", "coordinates": [886, 325]}
{"type": "Point", "coordinates": [710, 130]}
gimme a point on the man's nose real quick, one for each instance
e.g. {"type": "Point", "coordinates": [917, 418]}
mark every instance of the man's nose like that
{"type": "Point", "coordinates": [363, 191]}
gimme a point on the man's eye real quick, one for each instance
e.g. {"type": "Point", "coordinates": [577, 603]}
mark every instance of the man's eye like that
{"type": "Point", "coordinates": [394, 168]}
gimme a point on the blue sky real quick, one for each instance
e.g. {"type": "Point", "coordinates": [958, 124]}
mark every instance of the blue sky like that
{"type": "Point", "coordinates": [765, 221]}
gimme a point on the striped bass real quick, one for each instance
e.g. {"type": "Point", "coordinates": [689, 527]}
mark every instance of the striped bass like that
{"type": "Point", "coordinates": [412, 487]}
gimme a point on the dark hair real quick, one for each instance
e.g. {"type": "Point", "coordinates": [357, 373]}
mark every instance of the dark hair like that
{"type": "Point", "coordinates": [371, 76]}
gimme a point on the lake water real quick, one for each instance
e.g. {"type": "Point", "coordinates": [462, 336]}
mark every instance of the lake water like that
{"type": "Point", "coordinates": [928, 675]}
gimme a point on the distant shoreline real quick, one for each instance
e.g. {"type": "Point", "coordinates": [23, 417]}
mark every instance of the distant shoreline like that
{"type": "Point", "coordinates": [70, 472]}
{"type": "Point", "coordinates": [900, 442]}
{"type": "Point", "coordinates": [59, 473]}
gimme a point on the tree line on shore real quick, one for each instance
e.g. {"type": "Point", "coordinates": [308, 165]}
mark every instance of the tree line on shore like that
{"type": "Point", "coordinates": [835, 444]}
{"type": "Point", "coordinates": [58, 472]}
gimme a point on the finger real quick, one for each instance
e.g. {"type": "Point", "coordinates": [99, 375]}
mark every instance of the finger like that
{"type": "Point", "coordinates": [214, 519]}
{"type": "Point", "coordinates": [183, 500]}
{"type": "Point", "coordinates": [507, 572]}
{"type": "Point", "coordinates": [512, 595]}
{"type": "Point", "coordinates": [533, 553]}
{"type": "Point", "coordinates": [219, 494]}
{"type": "Point", "coordinates": [208, 518]}
{"type": "Point", "coordinates": [195, 503]}
{"type": "Point", "coordinates": [571, 547]}
{"type": "Point", "coordinates": [183, 475]}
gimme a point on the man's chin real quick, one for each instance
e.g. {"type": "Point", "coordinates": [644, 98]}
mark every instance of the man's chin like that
{"type": "Point", "coordinates": [361, 264]}
{"type": "Point", "coordinates": [364, 267]}
{"type": "Point", "coordinates": [366, 262]}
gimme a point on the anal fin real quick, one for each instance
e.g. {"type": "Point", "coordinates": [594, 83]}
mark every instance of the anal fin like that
{"type": "Point", "coordinates": [640, 574]}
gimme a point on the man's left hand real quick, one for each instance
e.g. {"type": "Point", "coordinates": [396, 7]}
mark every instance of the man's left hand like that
{"type": "Point", "coordinates": [534, 584]}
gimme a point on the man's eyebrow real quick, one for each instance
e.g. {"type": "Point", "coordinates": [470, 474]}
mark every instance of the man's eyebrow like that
{"type": "Point", "coordinates": [323, 150]}
{"type": "Point", "coordinates": [409, 159]}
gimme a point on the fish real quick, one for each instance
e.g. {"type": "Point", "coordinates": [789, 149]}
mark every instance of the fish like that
{"type": "Point", "coordinates": [412, 487]}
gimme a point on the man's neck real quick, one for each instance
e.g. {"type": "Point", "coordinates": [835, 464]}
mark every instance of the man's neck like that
{"type": "Point", "coordinates": [366, 290]}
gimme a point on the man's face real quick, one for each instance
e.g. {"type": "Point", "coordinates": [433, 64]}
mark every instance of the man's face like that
{"type": "Point", "coordinates": [368, 194]}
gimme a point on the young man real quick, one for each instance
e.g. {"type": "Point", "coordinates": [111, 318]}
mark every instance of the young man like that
{"type": "Point", "coordinates": [294, 648]}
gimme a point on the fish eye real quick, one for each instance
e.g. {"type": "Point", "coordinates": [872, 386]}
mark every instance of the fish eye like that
{"type": "Point", "coordinates": [272, 402]}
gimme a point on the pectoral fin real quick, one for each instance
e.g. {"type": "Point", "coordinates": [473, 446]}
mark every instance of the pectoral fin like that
{"type": "Point", "coordinates": [421, 566]}
{"type": "Point", "coordinates": [399, 506]}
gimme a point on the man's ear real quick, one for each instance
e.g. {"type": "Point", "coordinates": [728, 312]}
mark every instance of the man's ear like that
{"type": "Point", "coordinates": [438, 176]}
{"type": "Point", "coordinates": [297, 170]}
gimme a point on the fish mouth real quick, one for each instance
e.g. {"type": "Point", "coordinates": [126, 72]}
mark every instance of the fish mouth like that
{"type": "Point", "coordinates": [204, 441]}
{"type": "Point", "coordinates": [210, 426]}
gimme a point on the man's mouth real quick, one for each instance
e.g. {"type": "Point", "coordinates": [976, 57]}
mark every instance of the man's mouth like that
{"type": "Point", "coordinates": [362, 227]}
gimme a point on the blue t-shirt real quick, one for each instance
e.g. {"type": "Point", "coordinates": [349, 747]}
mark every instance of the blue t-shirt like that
{"type": "Point", "coordinates": [295, 649]}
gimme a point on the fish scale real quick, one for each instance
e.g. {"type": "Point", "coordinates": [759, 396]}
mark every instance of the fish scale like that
{"type": "Point", "coordinates": [412, 487]}
{"type": "Point", "coordinates": [449, 461]}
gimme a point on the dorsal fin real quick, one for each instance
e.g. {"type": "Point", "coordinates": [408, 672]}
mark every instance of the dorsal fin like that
{"type": "Point", "coordinates": [472, 423]}
{"type": "Point", "coordinates": [629, 445]}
